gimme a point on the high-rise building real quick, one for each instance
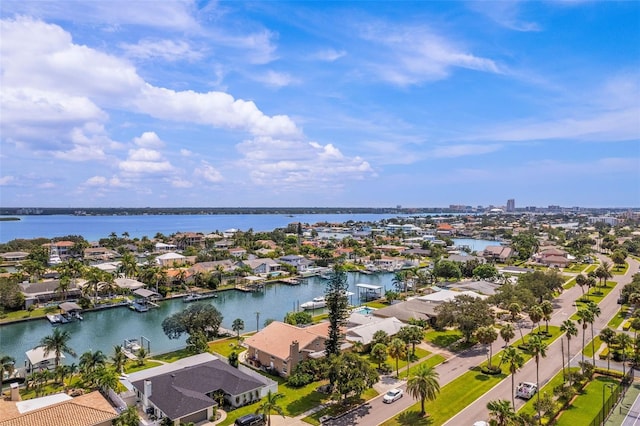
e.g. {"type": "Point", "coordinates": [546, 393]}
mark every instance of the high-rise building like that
{"type": "Point", "coordinates": [511, 205]}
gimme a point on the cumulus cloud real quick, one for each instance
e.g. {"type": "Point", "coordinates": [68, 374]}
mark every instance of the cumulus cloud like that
{"type": "Point", "coordinates": [149, 140]}
{"type": "Point", "coordinates": [298, 164]}
{"type": "Point", "coordinates": [101, 181]}
{"type": "Point", "coordinates": [168, 50]}
{"type": "Point", "coordinates": [416, 54]}
{"type": "Point", "coordinates": [186, 152]}
{"type": "Point", "coordinates": [208, 173]}
{"type": "Point", "coordinates": [52, 85]}
{"type": "Point", "coordinates": [181, 183]}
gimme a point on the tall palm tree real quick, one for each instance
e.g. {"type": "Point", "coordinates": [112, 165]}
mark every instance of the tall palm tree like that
{"type": "Point", "coordinates": [119, 358]}
{"type": "Point", "coordinates": [535, 315]}
{"type": "Point", "coordinates": [90, 362]}
{"type": "Point", "coordinates": [569, 328]}
{"type": "Point", "coordinates": [547, 311]}
{"type": "Point", "coordinates": [624, 341]}
{"type": "Point", "coordinates": [595, 312]}
{"type": "Point", "coordinates": [507, 333]}
{"type": "Point", "coordinates": [608, 336]}
{"type": "Point", "coordinates": [237, 326]}
{"type": "Point", "coordinates": [64, 284]}
{"type": "Point", "coordinates": [424, 385]}
{"type": "Point", "coordinates": [603, 273]}
{"type": "Point", "coordinates": [582, 281]}
{"type": "Point", "coordinates": [537, 349]}
{"type": "Point", "coordinates": [397, 350]}
{"type": "Point", "coordinates": [585, 317]}
{"type": "Point", "coordinates": [57, 342]}
{"type": "Point", "coordinates": [487, 335]}
{"type": "Point", "coordinates": [514, 358]}
{"type": "Point", "coordinates": [501, 412]}
{"type": "Point", "coordinates": [270, 404]}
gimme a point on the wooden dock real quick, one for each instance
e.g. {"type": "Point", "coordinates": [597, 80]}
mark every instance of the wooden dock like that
{"type": "Point", "coordinates": [289, 281]}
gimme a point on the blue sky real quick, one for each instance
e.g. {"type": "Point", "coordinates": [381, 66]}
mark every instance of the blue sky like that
{"type": "Point", "coordinates": [133, 104]}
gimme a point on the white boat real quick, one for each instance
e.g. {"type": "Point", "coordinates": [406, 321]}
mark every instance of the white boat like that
{"type": "Point", "coordinates": [316, 303]}
{"type": "Point", "coordinates": [191, 297]}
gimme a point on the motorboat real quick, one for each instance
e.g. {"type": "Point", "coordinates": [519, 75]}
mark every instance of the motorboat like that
{"type": "Point", "coordinates": [192, 297]}
{"type": "Point", "coordinates": [316, 303]}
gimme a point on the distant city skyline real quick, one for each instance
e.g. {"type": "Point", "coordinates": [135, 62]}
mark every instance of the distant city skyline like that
{"type": "Point", "coordinates": [358, 104]}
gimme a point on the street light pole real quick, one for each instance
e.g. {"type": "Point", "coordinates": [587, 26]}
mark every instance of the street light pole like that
{"type": "Point", "coordinates": [257, 321]}
{"type": "Point", "coordinates": [610, 386]}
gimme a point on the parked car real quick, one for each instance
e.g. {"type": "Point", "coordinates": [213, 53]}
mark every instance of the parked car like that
{"type": "Point", "coordinates": [392, 395]}
{"type": "Point", "coordinates": [250, 420]}
{"type": "Point", "coordinates": [526, 390]}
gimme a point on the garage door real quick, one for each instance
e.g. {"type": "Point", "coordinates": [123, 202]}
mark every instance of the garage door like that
{"type": "Point", "coordinates": [195, 418]}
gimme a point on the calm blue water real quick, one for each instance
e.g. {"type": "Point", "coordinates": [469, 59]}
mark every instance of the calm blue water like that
{"type": "Point", "coordinates": [101, 330]}
{"type": "Point", "coordinates": [93, 228]}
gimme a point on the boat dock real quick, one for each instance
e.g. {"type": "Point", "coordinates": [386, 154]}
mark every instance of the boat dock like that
{"type": "Point", "coordinates": [289, 281]}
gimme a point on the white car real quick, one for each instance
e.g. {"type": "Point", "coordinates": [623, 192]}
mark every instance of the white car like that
{"type": "Point", "coordinates": [392, 395]}
{"type": "Point", "coordinates": [526, 390]}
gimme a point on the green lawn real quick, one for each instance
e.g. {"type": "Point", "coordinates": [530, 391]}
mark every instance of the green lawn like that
{"type": "Point", "coordinates": [575, 268]}
{"type": "Point", "coordinates": [432, 361]}
{"type": "Point", "coordinates": [444, 338]}
{"type": "Point", "coordinates": [620, 270]}
{"type": "Point", "coordinates": [376, 304]}
{"type": "Point", "coordinates": [224, 347]}
{"type": "Point", "coordinates": [132, 366]}
{"type": "Point", "coordinates": [17, 315]}
{"type": "Point", "coordinates": [596, 345]}
{"type": "Point", "coordinates": [420, 353]}
{"type": "Point", "coordinates": [567, 285]}
{"type": "Point", "coordinates": [598, 293]}
{"type": "Point", "coordinates": [591, 268]}
{"type": "Point", "coordinates": [295, 402]}
{"type": "Point", "coordinates": [615, 322]}
{"type": "Point", "coordinates": [587, 405]}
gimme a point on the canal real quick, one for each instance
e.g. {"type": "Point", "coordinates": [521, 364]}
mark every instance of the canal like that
{"type": "Point", "coordinates": [102, 330]}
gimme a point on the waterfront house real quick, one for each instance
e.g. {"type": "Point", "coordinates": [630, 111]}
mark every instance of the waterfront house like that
{"type": "Point", "coordinates": [183, 391]}
{"type": "Point", "coordinates": [237, 252]}
{"type": "Point", "coordinates": [408, 310]}
{"type": "Point", "coordinates": [262, 266]}
{"type": "Point", "coordinates": [498, 253]}
{"type": "Point", "coordinates": [59, 409]}
{"type": "Point", "coordinates": [279, 347]}
{"type": "Point", "coordinates": [364, 333]}
{"type": "Point", "coordinates": [63, 247]}
{"type": "Point", "coordinates": [45, 291]}
{"type": "Point", "coordinates": [553, 257]}
{"type": "Point", "coordinates": [174, 259]}
{"type": "Point", "coordinates": [189, 239]}
{"type": "Point", "coordinates": [301, 263]}
{"type": "Point", "coordinates": [37, 360]}
{"type": "Point", "coordinates": [14, 256]}
{"type": "Point", "coordinates": [161, 247]}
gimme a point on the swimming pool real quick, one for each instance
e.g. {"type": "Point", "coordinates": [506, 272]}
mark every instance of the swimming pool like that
{"type": "Point", "coordinates": [364, 310]}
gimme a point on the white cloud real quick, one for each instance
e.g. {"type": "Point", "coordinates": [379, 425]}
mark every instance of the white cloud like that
{"type": "Point", "coordinates": [452, 151]}
{"type": "Point", "coordinates": [101, 181]}
{"type": "Point", "coordinates": [506, 14]}
{"type": "Point", "coordinates": [181, 183]}
{"type": "Point", "coordinates": [329, 55]}
{"type": "Point", "coordinates": [68, 85]}
{"type": "Point", "coordinates": [7, 180]}
{"type": "Point", "coordinates": [145, 161]}
{"type": "Point", "coordinates": [186, 152]}
{"type": "Point", "coordinates": [168, 50]}
{"type": "Point", "coordinates": [291, 164]}
{"type": "Point", "coordinates": [415, 54]}
{"type": "Point", "coordinates": [47, 185]}
{"type": "Point", "coordinates": [172, 15]}
{"type": "Point", "coordinates": [275, 79]}
{"type": "Point", "coordinates": [149, 140]}
{"type": "Point", "coordinates": [208, 173]}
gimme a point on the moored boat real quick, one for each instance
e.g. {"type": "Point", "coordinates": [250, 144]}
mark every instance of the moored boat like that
{"type": "Point", "coordinates": [316, 303]}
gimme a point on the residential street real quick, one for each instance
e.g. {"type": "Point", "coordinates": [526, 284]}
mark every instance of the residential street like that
{"type": "Point", "coordinates": [376, 412]}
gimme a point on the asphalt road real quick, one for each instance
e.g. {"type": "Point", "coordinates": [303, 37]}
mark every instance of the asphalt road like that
{"type": "Point", "coordinates": [376, 412]}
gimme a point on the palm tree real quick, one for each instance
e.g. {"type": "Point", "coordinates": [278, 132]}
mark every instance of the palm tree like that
{"type": "Point", "coordinates": [141, 355]}
{"type": "Point", "coordinates": [515, 359]}
{"type": "Point", "coordinates": [569, 328]}
{"type": "Point", "coordinates": [7, 364]}
{"type": "Point", "coordinates": [585, 317]}
{"type": "Point", "coordinates": [582, 281]}
{"type": "Point", "coordinates": [603, 273]}
{"type": "Point", "coordinates": [237, 326]}
{"type": "Point", "coordinates": [595, 312]}
{"type": "Point", "coordinates": [106, 378]}
{"type": "Point", "coordinates": [501, 412]}
{"type": "Point", "coordinates": [57, 342]}
{"type": "Point", "coordinates": [608, 336]}
{"type": "Point", "coordinates": [63, 285]}
{"type": "Point", "coordinates": [535, 315]}
{"type": "Point", "coordinates": [424, 385]}
{"type": "Point", "coordinates": [487, 335]}
{"type": "Point", "coordinates": [90, 362]}
{"type": "Point", "coordinates": [547, 311]}
{"type": "Point", "coordinates": [119, 358]}
{"type": "Point", "coordinates": [397, 350]}
{"type": "Point", "coordinates": [270, 404]}
{"type": "Point", "coordinates": [538, 349]}
{"type": "Point", "coordinates": [128, 417]}
{"type": "Point", "coordinates": [624, 341]}
{"type": "Point", "coordinates": [507, 333]}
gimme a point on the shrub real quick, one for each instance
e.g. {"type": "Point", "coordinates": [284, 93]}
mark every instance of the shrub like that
{"type": "Point", "coordinates": [299, 380]}
{"type": "Point", "coordinates": [604, 353]}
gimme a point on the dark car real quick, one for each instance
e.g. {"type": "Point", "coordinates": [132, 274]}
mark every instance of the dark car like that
{"type": "Point", "coordinates": [250, 420]}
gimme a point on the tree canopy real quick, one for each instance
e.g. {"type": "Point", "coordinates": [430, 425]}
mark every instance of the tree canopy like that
{"type": "Point", "coordinates": [337, 305]}
{"type": "Point", "coordinates": [466, 312]}
{"type": "Point", "coordinates": [197, 318]}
